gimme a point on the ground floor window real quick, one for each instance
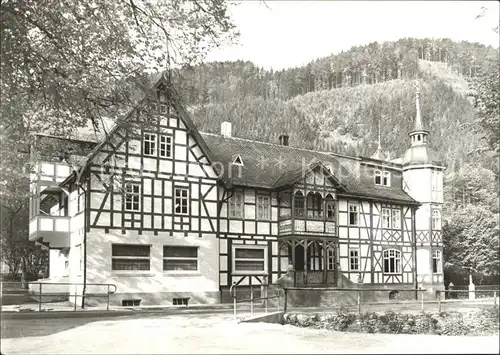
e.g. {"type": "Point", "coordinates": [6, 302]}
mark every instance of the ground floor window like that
{"type": "Point", "coordinates": [249, 259]}
{"type": "Point", "coordinates": [177, 258]}
{"type": "Point", "coordinates": [354, 259]}
{"type": "Point", "coordinates": [437, 265]}
{"type": "Point", "coordinates": [130, 257]}
{"type": "Point", "coordinates": [330, 258]}
{"type": "Point", "coordinates": [392, 261]}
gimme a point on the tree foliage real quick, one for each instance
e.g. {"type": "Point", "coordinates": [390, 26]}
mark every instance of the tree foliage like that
{"type": "Point", "coordinates": [69, 63]}
{"type": "Point", "coordinates": [486, 94]}
{"type": "Point", "coordinates": [471, 223]}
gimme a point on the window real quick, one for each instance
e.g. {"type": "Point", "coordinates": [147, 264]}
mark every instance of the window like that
{"type": "Point", "coordinates": [314, 205]}
{"type": "Point", "coordinates": [378, 177]}
{"type": "Point", "coordinates": [436, 219]}
{"type": "Point", "coordinates": [437, 266]}
{"type": "Point", "coordinates": [236, 205]}
{"type": "Point", "coordinates": [392, 261]}
{"type": "Point", "coordinates": [354, 259]}
{"type": "Point", "coordinates": [396, 219]}
{"type": "Point", "coordinates": [298, 205]}
{"type": "Point", "coordinates": [238, 161]}
{"type": "Point", "coordinates": [353, 215]}
{"type": "Point", "coordinates": [165, 147]}
{"type": "Point", "coordinates": [181, 200]}
{"type": "Point", "coordinates": [263, 207]}
{"type": "Point", "coordinates": [132, 196]}
{"type": "Point", "coordinates": [386, 218]}
{"type": "Point", "coordinates": [130, 257]}
{"type": "Point", "coordinates": [179, 258]}
{"type": "Point", "coordinates": [80, 200]}
{"type": "Point", "coordinates": [386, 181]}
{"type": "Point", "coordinates": [149, 144]}
{"type": "Point", "coordinates": [249, 260]}
{"type": "Point", "coordinates": [330, 209]}
{"type": "Point", "coordinates": [330, 259]}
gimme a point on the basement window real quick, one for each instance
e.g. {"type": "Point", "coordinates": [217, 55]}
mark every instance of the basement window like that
{"type": "Point", "coordinates": [131, 303]}
{"type": "Point", "coordinates": [180, 301]}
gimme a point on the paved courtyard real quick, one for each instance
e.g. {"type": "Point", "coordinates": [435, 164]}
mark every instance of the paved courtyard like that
{"type": "Point", "coordinates": [218, 333]}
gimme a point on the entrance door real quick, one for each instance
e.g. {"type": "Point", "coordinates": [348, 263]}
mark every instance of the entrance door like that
{"type": "Point", "coordinates": [299, 258]}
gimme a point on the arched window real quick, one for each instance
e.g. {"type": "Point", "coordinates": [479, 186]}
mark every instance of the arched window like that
{"type": "Point", "coordinates": [378, 177]}
{"type": "Point", "coordinates": [298, 205]}
{"type": "Point", "coordinates": [437, 264]}
{"type": "Point", "coordinates": [436, 219]}
{"type": "Point", "coordinates": [392, 261]}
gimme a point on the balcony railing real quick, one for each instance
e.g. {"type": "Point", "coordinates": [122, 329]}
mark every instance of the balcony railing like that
{"type": "Point", "coordinates": [302, 225]}
{"type": "Point", "coordinates": [50, 229]}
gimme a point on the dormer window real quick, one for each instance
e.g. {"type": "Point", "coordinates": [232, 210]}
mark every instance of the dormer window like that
{"type": "Point", "coordinates": [378, 177]}
{"type": "Point", "coordinates": [382, 178]}
{"type": "Point", "coordinates": [386, 181]}
{"type": "Point", "coordinates": [238, 161]}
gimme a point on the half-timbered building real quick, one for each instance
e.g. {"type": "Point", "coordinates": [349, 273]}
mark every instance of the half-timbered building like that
{"type": "Point", "coordinates": [170, 214]}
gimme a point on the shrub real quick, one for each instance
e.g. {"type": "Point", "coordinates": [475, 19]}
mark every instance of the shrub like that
{"type": "Point", "coordinates": [482, 322]}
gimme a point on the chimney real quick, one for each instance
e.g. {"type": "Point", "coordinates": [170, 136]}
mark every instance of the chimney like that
{"type": "Point", "coordinates": [283, 139]}
{"type": "Point", "coordinates": [225, 129]}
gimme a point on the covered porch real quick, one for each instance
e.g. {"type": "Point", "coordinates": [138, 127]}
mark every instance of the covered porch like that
{"type": "Point", "coordinates": [314, 259]}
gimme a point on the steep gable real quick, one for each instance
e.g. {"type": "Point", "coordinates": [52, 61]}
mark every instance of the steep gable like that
{"type": "Point", "coordinates": [159, 112]}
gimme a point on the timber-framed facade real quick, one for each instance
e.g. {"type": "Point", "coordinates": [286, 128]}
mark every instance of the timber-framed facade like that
{"type": "Point", "coordinates": [171, 214]}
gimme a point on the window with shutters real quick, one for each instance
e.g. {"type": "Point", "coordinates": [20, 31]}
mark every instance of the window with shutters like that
{"type": "Point", "coordinates": [180, 258]}
{"type": "Point", "coordinates": [249, 259]}
{"type": "Point", "coordinates": [131, 257]}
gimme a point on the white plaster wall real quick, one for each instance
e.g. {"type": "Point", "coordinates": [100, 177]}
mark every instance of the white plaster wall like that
{"type": "Point", "coordinates": [422, 217]}
{"type": "Point", "coordinates": [155, 280]}
{"type": "Point", "coordinates": [423, 262]}
{"type": "Point", "coordinates": [419, 183]}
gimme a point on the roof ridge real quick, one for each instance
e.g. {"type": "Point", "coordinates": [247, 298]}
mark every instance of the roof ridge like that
{"type": "Point", "coordinates": [286, 146]}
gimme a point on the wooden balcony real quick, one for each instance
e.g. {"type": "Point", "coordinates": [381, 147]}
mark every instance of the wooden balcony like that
{"type": "Point", "coordinates": [52, 230]}
{"type": "Point", "coordinates": [304, 226]}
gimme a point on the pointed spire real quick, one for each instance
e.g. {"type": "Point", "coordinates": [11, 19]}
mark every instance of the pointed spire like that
{"type": "Point", "coordinates": [418, 117]}
{"type": "Point", "coordinates": [379, 153]}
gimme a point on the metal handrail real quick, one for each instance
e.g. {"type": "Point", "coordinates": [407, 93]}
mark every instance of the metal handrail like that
{"type": "Point", "coordinates": [232, 292]}
{"type": "Point", "coordinates": [106, 294]}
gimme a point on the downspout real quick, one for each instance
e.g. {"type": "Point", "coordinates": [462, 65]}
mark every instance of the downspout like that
{"type": "Point", "coordinates": [414, 235]}
{"type": "Point", "coordinates": [84, 243]}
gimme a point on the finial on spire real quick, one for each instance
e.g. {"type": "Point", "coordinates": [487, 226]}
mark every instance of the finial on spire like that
{"type": "Point", "coordinates": [379, 153]}
{"type": "Point", "coordinates": [418, 116]}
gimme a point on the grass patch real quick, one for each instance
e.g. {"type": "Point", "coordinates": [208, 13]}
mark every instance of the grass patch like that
{"type": "Point", "coordinates": [480, 322]}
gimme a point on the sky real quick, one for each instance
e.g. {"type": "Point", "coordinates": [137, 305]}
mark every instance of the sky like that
{"type": "Point", "coordinates": [283, 34]}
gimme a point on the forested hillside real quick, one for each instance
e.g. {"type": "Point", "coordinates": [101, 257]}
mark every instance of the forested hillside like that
{"type": "Point", "coordinates": [336, 103]}
{"type": "Point", "coordinates": [371, 64]}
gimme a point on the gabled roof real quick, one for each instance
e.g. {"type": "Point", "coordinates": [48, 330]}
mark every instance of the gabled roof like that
{"type": "Point", "coordinates": [270, 165]}
{"type": "Point", "coordinates": [178, 106]}
{"type": "Point", "coordinates": [289, 178]}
